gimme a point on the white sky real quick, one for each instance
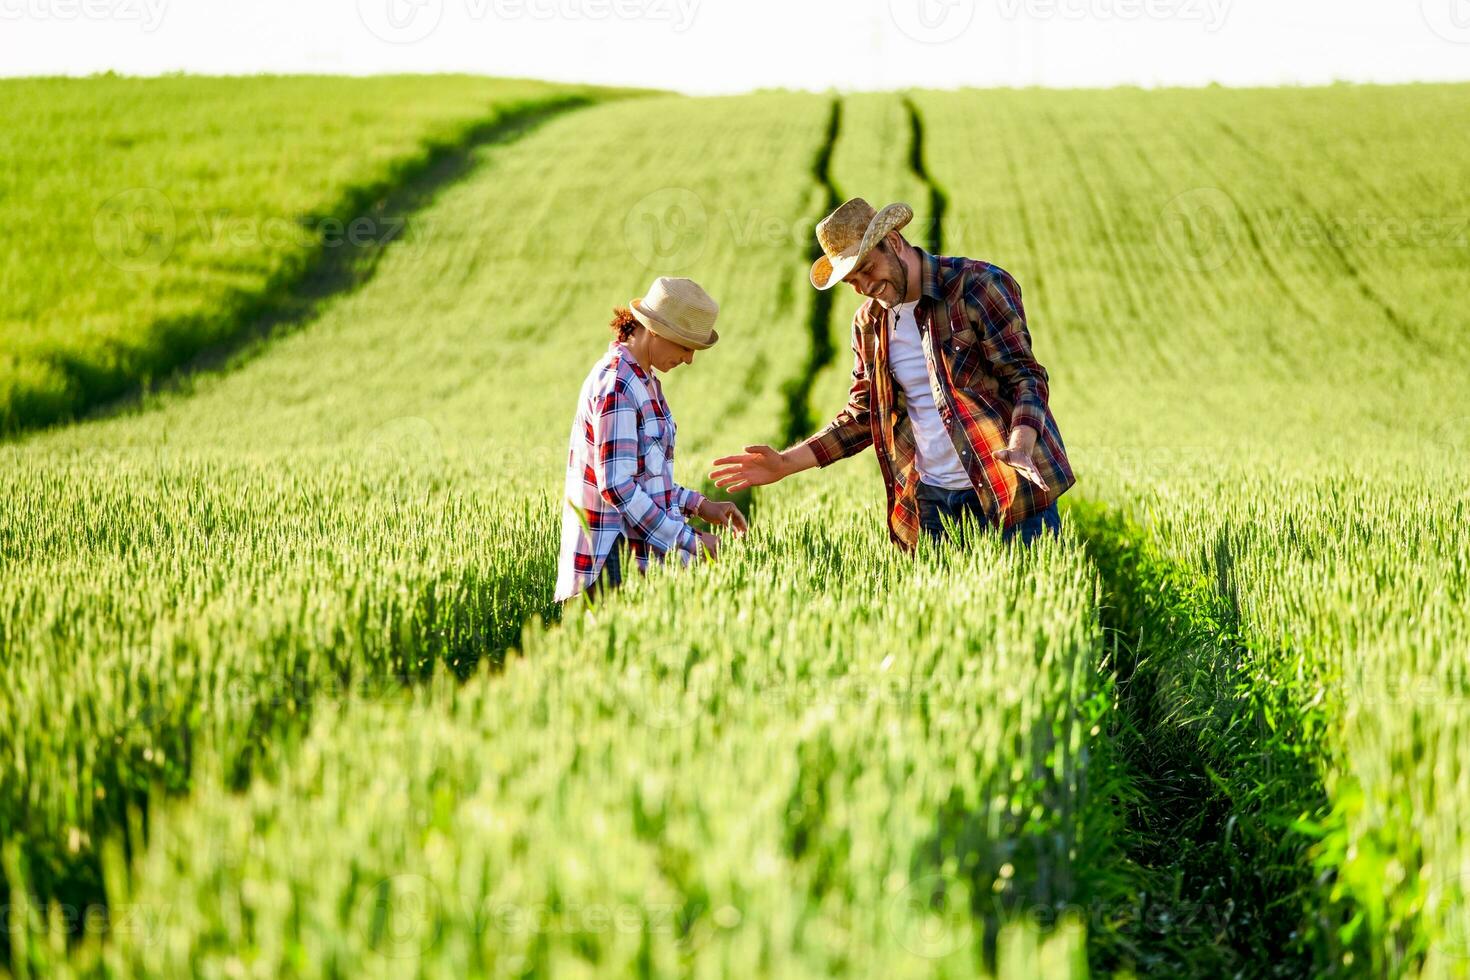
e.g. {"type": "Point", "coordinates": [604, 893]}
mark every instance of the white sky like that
{"type": "Point", "coordinates": [708, 46]}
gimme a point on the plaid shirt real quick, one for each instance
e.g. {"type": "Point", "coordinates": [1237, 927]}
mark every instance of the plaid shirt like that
{"type": "Point", "coordinates": [620, 475]}
{"type": "Point", "coordinates": [973, 330]}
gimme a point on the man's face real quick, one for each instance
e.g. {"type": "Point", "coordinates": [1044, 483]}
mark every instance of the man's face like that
{"type": "Point", "coordinates": [880, 276]}
{"type": "Point", "coordinates": [665, 355]}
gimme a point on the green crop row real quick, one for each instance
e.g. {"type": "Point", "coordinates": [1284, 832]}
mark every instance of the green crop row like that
{"type": "Point", "coordinates": [1216, 728]}
{"type": "Point", "coordinates": [376, 493]}
{"type": "Point", "coordinates": [1250, 303]}
{"type": "Point", "coordinates": [750, 769]}
{"type": "Point", "coordinates": [151, 220]}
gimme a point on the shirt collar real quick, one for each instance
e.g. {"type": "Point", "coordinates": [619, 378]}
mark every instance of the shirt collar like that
{"type": "Point", "coordinates": [620, 349]}
{"type": "Point", "coordinates": [929, 284]}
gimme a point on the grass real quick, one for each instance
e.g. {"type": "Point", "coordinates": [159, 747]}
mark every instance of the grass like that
{"type": "Point", "coordinates": [391, 511]}
{"type": "Point", "coordinates": [882, 809]}
{"type": "Point", "coordinates": [1213, 730]}
{"type": "Point", "coordinates": [1254, 345]}
{"type": "Point", "coordinates": [194, 203]}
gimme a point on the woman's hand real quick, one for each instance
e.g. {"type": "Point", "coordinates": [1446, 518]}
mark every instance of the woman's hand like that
{"type": "Point", "coordinates": [724, 513]}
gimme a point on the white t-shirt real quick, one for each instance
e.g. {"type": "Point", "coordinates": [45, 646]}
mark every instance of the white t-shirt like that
{"type": "Point", "coordinates": [936, 460]}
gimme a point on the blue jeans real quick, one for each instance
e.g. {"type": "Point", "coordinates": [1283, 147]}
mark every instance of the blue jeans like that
{"type": "Point", "coordinates": [955, 504]}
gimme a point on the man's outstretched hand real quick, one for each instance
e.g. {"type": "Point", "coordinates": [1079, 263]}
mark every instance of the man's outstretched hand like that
{"type": "Point", "coordinates": [756, 467]}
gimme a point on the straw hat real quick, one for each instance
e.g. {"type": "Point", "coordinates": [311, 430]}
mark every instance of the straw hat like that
{"type": "Point", "coordinates": [678, 310]}
{"type": "Point", "coordinates": [851, 232]}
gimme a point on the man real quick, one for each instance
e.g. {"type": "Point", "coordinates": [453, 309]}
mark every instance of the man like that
{"type": "Point", "coordinates": [944, 387]}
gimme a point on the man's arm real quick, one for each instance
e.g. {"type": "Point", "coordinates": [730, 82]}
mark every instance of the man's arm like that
{"type": "Point", "coordinates": [1000, 318]}
{"type": "Point", "coordinates": [849, 433]}
{"type": "Point", "coordinates": [846, 435]}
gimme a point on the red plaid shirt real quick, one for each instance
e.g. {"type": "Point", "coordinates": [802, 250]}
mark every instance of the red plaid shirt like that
{"type": "Point", "coordinates": [620, 475]}
{"type": "Point", "coordinates": [973, 330]}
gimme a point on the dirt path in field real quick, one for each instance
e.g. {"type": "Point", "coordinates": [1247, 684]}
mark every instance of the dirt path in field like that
{"type": "Point", "coordinates": [938, 200]}
{"type": "Point", "coordinates": [1216, 787]}
{"type": "Point", "coordinates": [383, 216]}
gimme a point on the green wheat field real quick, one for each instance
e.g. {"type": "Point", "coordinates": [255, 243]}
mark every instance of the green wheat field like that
{"type": "Point", "coordinates": [286, 371]}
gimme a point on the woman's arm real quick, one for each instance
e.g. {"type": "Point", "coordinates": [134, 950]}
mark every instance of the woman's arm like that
{"type": "Point", "coordinates": [615, 434]}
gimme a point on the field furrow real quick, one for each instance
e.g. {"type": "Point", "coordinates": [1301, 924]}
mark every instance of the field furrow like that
{"type": "Point", "coordinates": [1283, 584]}
{"type": "Point", "coordinates": [282, 684]}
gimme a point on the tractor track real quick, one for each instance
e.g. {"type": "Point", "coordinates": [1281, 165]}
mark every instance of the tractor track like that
{"type": "Point", "coordinates": [1203, 764]}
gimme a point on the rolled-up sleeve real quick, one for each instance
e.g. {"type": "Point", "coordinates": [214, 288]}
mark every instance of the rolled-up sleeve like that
{"type": "Point", "coordinates": [689, 501]}
{"type": "Point", "coordinates": [849, 433]}
{"type": "Point", "coordinates": [615, 431]}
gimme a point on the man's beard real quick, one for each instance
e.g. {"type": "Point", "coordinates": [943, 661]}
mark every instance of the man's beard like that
{"type": "Point", "coordinates": [901, 285]}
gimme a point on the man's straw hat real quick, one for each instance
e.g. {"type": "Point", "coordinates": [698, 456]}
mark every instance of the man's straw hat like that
{"type": "Point", "coordinates": [851, 232]}
{"type": "Point", "coordinates": [678, 310]}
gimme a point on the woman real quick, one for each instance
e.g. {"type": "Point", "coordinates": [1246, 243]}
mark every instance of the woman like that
{"type": "Point", "coordinates": [620, 469]}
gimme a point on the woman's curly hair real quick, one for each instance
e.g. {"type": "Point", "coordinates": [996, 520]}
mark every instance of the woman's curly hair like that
{"type": "Point", "coordinates": [623, 323]}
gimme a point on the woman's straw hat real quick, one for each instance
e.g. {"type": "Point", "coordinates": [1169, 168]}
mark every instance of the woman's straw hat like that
{"type": "Point", "coordinates": [851, 232]}
{"type": "Point", "coordinates": [678, 310]}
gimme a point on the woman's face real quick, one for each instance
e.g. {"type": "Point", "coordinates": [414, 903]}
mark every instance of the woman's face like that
{"type": "Point", "coordinates": [665, 355]}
